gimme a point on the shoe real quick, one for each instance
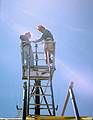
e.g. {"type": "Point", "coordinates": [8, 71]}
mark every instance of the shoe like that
{"type": "Point", "coordinates": [52, 66]}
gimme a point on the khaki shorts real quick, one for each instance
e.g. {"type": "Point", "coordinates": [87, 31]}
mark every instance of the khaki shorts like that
{"type": "Point", "coordinates": [50, 45]}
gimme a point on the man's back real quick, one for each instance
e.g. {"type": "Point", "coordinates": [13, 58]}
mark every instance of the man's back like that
{"type": "Point", "coordinates": [47, 34]}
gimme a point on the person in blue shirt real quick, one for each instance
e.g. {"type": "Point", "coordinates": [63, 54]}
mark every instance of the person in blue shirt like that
{"type": "Point", "coordinates": [27, 53]}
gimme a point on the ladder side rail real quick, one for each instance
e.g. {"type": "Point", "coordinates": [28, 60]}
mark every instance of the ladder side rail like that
{"type": "Point", "coordinates": [28, 77]}
{"type": "Point", "coordinates": [46, 101]}
{"type": "Point", "coordinates": [70, 94]}
{"type": "Point", "coordinates": [65, 104]}
{"type": "Point", "coordinates": [51, 87]}
{"type": "Point", "coordinates": [45, 90]}
{"type": "Point", "coordinates": [37, 90]}
{"type": "Point", "coordinates": [48, 55]}
{"type": "Point", "coordinates": [52, 95]}
{"type": "Point", "coordinates": [74, 104]}
{"type": "Point", "coordinates": [24, 111]}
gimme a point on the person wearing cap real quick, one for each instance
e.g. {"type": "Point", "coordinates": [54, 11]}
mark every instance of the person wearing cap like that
{"type": "Point", "coordinates": [48, 39]}
{"type": "Point", "coordinates": [26, 52]}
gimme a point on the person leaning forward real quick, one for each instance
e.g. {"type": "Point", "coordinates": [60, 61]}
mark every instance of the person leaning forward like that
{"type": "Point", "coordinates": [48, 39]}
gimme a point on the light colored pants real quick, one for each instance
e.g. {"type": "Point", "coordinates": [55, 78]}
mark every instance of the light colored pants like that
{"type": "Point", "coordinates": [27, 55]}
{"type": "Point", "coordinates": [49, 48]}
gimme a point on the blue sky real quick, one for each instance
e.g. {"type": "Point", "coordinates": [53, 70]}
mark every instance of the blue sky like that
{"type": "Point", "coordinates": [71, 23]}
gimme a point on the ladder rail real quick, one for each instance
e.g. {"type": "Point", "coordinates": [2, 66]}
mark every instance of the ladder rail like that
{"type": "Point", "coordinates": [70, 94]}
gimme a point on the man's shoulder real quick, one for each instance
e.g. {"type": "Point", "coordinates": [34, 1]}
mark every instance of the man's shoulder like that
{"type": "Point", "coordinates": [46, 31]}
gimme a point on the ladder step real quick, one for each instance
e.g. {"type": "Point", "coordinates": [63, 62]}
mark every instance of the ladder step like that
{"type": "Point", "coordinates": [40, 67]}
{"type": "Point", "coordinates": [39, 59]}
{"type": "Point", "coordinates": [41, 104]}
{"type": "Point", "coordinates": [38, 52]}
{"type": "Point", "coordinates": [41, 108]}
{"type": "Point", "coordinates": [45, 71]}
{"type": "Point", "coordinates": [33, 115]}
{"type": "Point", "coordinates": [36, 77]}
{"type": "Point", "coordinates": [39, 86]}
{"type": "Point", "coordinates": [41, 95]}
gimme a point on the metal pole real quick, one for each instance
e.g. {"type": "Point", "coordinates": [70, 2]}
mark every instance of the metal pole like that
{"type": "Point", "coordinates": [51, 87]}
{"type": "Point", "coordinates": [53, 104]}
{"type": "Point", "coordinates": [37, 99]}
{"type": "Point", "coordinates": [24, 101]}
{"type": "Point", "coordinates": [65, 104]}
{"type": "Point", "coordinates": [66, 100]}
{"type": "Point", "coordinates": [74, 104]}
{"type": "Point", "coordinates": [28, 95]}
{"type": "Point", "coordinates": [37, 91]}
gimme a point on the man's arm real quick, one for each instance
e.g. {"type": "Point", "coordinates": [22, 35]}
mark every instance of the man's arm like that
{"type": "Point", "coordinates": [39, 40]}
